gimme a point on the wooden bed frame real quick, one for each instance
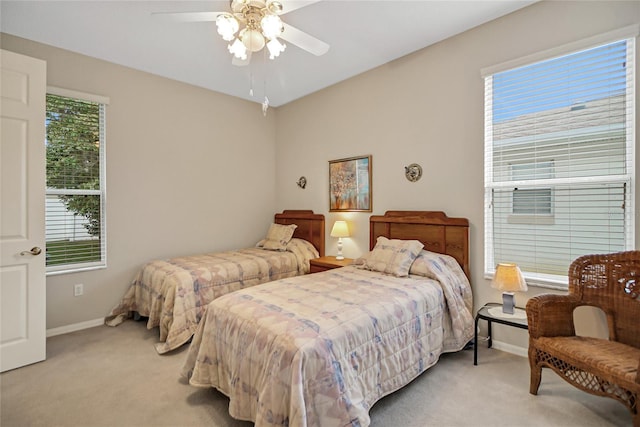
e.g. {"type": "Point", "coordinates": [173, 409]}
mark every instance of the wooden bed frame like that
{"type": "Point", "coordinates": [434, 229]}
{"type": "Point", "coordinates": [310, 226]}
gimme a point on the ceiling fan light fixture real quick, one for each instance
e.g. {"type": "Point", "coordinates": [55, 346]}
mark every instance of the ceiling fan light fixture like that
{"type": "Point", "coordinates": [252, 39]}
{"type": "Point", "coordinates": [275, 48]}
{"type": "Point", "coordinates": [261, 26]}
{"type": "Point", "coordinates": [227, 26]}
{"type": "Point", "coordinates": [237, 5]}
{"type": "Point", "coordinates": [271, 26]}
{"type": "Point", "coordinates": [238, 49]}
{"type": "Point", "coordinates": [274, 6]}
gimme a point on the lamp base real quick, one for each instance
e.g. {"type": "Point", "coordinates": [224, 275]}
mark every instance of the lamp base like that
{"type": "Point", "coordinates": [339, 256]}
{"type": "Point", "coordinates": [508, 302]}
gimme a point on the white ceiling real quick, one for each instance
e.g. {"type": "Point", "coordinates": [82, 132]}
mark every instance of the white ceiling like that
{"type": "Point", "coordinates": [362, 35]}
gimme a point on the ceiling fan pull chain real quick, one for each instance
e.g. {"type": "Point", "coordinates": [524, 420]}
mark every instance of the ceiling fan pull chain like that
{"type": "Point", "coordinates": [265, 103]}
{"type": "Point", "coordinates": [250, 81]}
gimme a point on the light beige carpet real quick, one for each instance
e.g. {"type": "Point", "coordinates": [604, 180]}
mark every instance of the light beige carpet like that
{"type": "Point", "coordinates": [113, 377]}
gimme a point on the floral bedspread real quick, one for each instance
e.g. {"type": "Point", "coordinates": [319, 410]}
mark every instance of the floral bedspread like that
{"type": "Point", "coordinates": [173, 293]}
{"type": "Point", "coordinates": [321, 349]}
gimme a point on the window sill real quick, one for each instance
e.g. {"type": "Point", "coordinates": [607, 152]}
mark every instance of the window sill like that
{"type": "Point", "coordinates": [69, 270]}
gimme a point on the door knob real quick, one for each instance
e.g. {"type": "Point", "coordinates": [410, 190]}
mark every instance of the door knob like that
{"type": "Point", "coordinates": [34, 251]}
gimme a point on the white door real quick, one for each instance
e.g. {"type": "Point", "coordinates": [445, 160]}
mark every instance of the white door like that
{"type": "Point", "coordinates": [22, 194]}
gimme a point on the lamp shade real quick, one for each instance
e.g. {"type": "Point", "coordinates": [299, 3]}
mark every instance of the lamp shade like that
{"type": "Point", "coordinates": [227, 26]}
{"type": "Point", "coordinates": [238, 49]}
{"type": "Point", "coordinates": [340, 229]}
{"type": "Point", "coordinates": [271, 26]}
{"type": "Point", "coordinates": [252, 39]}
{"type": "Point", "coordinates": [275, 48]}
{"type": "Point", "coordinates": [508, 278]}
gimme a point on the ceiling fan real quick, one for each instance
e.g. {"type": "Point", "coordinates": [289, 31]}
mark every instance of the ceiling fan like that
{"type": "Point", "coordinates": [250, 25]}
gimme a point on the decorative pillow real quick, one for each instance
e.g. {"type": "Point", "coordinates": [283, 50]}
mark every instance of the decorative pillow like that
{"type": "Point", "coordinates": [393, 256]}
{"type": "Point", "coordinates": [278, 236]}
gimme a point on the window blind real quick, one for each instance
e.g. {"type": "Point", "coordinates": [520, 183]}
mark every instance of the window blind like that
{"type": "Point", "coordinates": [75, 135]}
{"type": "Point", "coordinates": [559, 162]}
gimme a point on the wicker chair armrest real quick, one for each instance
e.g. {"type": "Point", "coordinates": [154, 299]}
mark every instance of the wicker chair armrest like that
{"type": "Point", "coordinates": [551, 315]}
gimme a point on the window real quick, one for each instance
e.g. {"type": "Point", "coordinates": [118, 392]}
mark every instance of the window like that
{"type": "Point", "coordinates": [75, 193]}
{"type": "Point", "coordinates": [559, 159]}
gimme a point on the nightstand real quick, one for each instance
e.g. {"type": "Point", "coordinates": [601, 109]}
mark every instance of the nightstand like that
{"type": "Point", "coordinates": [328, 263]}
{"type": "Point", "coordinates": [492, 312]}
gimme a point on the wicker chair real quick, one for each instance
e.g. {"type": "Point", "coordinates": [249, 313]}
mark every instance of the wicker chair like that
{"type": "Point", "coordinates": [598, 366]}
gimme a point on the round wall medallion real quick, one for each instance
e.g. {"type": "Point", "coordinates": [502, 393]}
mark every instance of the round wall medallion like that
{"type": "Point", "coordinates": [413, 172]}
{"type": "Point", "coordinates": [302, 182]}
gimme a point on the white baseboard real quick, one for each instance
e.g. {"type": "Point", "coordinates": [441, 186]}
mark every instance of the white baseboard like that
{"type": "Point", "coordinates": [510, 348]}
{"type": "Point", "coordinates": [75, 327]}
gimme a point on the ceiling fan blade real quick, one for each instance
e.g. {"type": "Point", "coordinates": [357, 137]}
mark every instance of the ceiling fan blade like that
{"type": "Point", "coordinates": [186, 16]}
{"type": "Point", "coordinates": [291, 5]}
{"type": "Point", "coordinates": [241, 62]}
{"type": "Point", "coordinates": [304, 40]}
{"type": "Point", "coordinates": [287, 6]}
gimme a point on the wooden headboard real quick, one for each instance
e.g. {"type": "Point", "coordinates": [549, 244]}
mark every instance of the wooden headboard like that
{"type": "Point", "coordinates": [310, 226]}
{"type": "Point", "coordinates": [434, 229]}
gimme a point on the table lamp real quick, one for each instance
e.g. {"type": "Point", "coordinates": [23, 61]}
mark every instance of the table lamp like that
{"type": "Point", "coordinates": [508, 278]}
{"type": "Point", "coordinates": [340, 230]}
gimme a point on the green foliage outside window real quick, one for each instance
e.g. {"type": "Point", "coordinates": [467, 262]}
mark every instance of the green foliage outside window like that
{"type": "Point", "coordinates": [73, 166]}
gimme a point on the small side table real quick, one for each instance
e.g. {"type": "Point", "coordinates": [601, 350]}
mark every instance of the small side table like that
{"type": "Point", "coordinates": [492, 312]}
{"type": "Point", "coordinates": [328, 263]}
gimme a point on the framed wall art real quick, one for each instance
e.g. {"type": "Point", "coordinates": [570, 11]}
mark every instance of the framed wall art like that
{"type": "Point", "coordinates": [350, 184]}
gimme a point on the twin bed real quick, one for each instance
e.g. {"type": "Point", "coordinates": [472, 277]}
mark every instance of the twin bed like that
{"type": "Point", "coordinates": [321, 349]}
{"type": "Point", "coordinates": [173, 293]}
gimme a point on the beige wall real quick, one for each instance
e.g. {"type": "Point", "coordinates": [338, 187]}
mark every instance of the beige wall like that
{"type": "Point", "coordinates": [426, 108]}
{"type": "Point", "coordinates": [185, 174]}
{"type": "Point", "coordinates": [171, 142]}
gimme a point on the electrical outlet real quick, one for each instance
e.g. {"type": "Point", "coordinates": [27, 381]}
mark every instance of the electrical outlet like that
{"type": "Point", "coordinates": [78, 289]}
